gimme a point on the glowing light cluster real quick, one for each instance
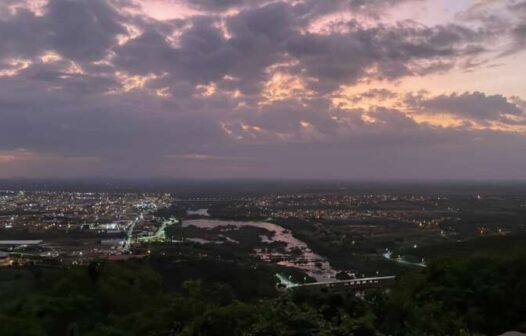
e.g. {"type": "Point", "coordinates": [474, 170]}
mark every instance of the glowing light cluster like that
{"type": "Point", "coordinates": [14, 66]}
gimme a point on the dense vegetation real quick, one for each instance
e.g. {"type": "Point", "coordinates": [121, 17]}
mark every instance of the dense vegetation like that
{"type": "Point", "coordinates": [460, 296]}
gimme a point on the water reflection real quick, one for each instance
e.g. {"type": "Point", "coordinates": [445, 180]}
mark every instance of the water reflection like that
{"type": "Point", "coordinates": [198, 212]}
{"type": "Point", "coordinates": [296, 254]}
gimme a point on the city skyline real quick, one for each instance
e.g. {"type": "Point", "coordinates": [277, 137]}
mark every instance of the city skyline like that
{"type": "Point", "coordinates": [338, 89]}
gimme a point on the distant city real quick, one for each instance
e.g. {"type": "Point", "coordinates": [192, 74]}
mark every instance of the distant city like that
{"type": "Point", "coordinates": [262, 167]}
{"type": "Point", "coordinates": [66, 227]}
{"type": "Point", "coordinates": [260, 244]}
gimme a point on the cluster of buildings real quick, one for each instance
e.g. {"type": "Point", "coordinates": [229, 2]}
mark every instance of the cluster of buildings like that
{"type": "Point", "coordinates": [339, 206]}
{"type": "Point", "coordinates": [56, 210]}
{"type": "Point", "coordinates": [46, 226]}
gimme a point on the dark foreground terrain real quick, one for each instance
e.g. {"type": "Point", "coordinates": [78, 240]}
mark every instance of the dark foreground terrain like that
{"type": "Point", "coordinates": [468, 293]}
{"type": "Point", "coordinates": [114, 262]}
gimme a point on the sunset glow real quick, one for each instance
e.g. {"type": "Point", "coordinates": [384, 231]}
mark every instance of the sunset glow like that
{"type": "Point", "coordinates": [270, 83]}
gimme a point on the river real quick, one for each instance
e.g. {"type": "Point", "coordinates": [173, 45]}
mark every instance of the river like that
{"type": "Point", "coordinates": [313, 264]}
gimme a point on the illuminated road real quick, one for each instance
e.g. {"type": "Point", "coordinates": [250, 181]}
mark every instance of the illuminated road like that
{"type": "Point", "coordinates": [129, 232]}
{"type": "Point", "coordinates": [389, 256]}
{"type": "Point", "coordinates": [160, 234]}
{"type": "Point", "coordinates": [285, 282]}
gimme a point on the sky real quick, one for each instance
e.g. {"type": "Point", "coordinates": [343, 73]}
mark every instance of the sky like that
{"type": "Point", "coordinates": [307, 89]}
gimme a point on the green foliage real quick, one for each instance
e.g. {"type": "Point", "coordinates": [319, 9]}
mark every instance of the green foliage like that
{"type": "Point", "coordinates": [482, 295]}
{"type": "Point", "coordinates": [461, 296]}
{"type": "Point", "coordinates": [10, 326]}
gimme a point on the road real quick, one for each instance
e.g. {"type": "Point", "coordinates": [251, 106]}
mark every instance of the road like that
{"type": "Point", "coordinates": [129, 232]}
{"type": "Point", "coordinates": [389, 255]}
{"type": "Point", "coordinates": [160, 234]}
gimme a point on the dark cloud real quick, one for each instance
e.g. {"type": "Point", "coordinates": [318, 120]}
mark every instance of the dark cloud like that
{"type": "Point", "coordinates": [83, 30]}
{"type": "Point", "coordinates": [307, 9]}
{"type": "Point", "coordinates": [472, 105]}
{"type": "Point", "coordinates": [80, 30]}
{"type": "Point", "coordinates": [519, 30]}
{"type": "Point", "coordinates": [274, 21]}
{"type": "Point", "coordinates": [501, 19]}
{"type": "Point", "coordinates": [22, 34]}
{"type": "Point", "coordinates": [203, 53]}
{"type": "Point", "coordinates": [122, 125]}
{"type": "Point", "coordinates": [394, 52]}
{"type": "Point", "coordinates": [148, 53]}
{"type": "Point", "coordinates": [310, 10]}
{"type": "Point", "coordinates": [191, 96]}
{"type": "Point", "coordinates": [262, 36]}
{"type": "Point", "coordinates": [215, 4]}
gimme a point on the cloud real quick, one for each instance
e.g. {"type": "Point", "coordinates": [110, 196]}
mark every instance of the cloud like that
{"type": "Point", "coordinates": [216, 5]}
{"type": "Point", "coordinates": [475, 106]}
{"type": "Point", "coordinates": [245, 45]}
{"type": "Point", "coordinates": [80, 30]}
{"type": "Point", "coordinates": [519, 30]}
{"type": "Point", "coordinates": [307, 8]}
{"type": "Point", "coordinates": [22, 34]}
{"type": "Point", "coordinates": [83, 30]}
{"type": "Point", "coordinates": [504, 19]}
{"type": "Point", "coordinates": [245, 88]}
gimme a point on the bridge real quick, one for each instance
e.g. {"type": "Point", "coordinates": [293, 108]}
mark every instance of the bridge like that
{"type": "Point", "coordinates": [355, 284]}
